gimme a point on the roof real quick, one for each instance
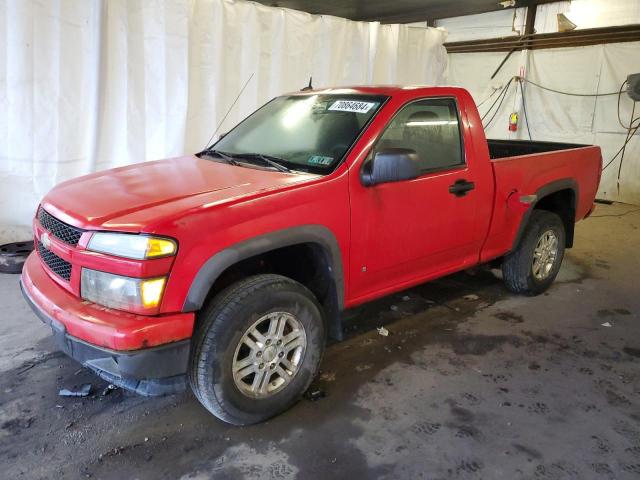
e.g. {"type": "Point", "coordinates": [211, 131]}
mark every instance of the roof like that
{"type": "Point", "coordinates": [388, 90]}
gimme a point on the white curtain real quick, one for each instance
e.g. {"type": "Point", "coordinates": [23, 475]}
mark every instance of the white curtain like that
{"type": "Point", "coordinates": [587, 14]}
{"type": "Point", "coordinates": [500, 23]}
{"type": "Point", "coordinates": [87, 85]}
{"type": "Point", "coordinates": [555, 117]}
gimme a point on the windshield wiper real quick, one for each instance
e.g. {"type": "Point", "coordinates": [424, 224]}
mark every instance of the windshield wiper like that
{"type": "Point", "coordinates": [223, 155]}
{"type": "Point", "coordinates": [231, 158]}
{"type": "Point", "coordinates": [268, 159]}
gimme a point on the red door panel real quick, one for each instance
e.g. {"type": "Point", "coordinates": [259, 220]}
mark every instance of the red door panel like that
{"type": "Point", "coordinates": [407, 232]}
{"type": "Point", "coordinates": [412, 229]}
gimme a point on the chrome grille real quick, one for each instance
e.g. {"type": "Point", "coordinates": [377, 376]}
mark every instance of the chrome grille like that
{"type": "Point", "coordinates": [68, 234]}
{"type": "Point", "coordinates": [57, 265]}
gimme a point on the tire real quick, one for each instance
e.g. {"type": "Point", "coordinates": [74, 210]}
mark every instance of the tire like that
{"type": "Point", "coordinates": [13, 256]}
{"type": "Point", "coordinates": [518, 266]}
{"type": "Point", "coordinates": [219, 341]}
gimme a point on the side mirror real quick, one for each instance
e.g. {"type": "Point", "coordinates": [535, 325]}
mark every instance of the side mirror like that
{"type": "Point", "coordinates": [390, 165]}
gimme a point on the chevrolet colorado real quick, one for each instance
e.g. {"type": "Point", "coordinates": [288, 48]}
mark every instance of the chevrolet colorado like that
{"type": "Point", "coordinates": [227, 270]}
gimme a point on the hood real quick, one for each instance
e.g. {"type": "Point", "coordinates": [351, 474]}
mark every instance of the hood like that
{"type": "Point", "coordinates": [94, 201]}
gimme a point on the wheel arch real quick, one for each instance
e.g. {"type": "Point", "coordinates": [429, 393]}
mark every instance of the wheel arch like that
{"type": "Point", "coordinates": [317, 240]}
{"type": "Point", "coordinates": [559, 197]}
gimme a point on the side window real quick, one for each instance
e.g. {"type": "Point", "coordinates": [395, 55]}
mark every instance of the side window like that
{"type": "Point", "coordinates": [431, 128]}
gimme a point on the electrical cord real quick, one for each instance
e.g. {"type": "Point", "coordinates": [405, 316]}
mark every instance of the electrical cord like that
{"type": "Point", "coordinates": [497, 99]}
{"type": "Point", "coordinates": [497, 110]}
{"type": "Point", "coordinates": [524, 107]}
{"type": "Point", "coordinates": [616, 214]}
{"type": "Point", "coordinates": [624, 146]}
{"type": "Point", "coordinates": [631, 129]}
{"type": "Point", "coordinates": [628, 139]}
{"type": "Point", "coordinates": [488, 98]}
{"type": "Point", "coordinates": [501, 98]}
{"type": "Point", "coordinates": [618, 93]}
{"type": "Point", "coordinates": [620, 96]}
{"type": "Point", "coordinates": [569, 93]}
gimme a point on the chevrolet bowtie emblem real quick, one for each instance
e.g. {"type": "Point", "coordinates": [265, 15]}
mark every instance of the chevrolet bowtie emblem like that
{"type": "Point", "coordinates": [46, 241]}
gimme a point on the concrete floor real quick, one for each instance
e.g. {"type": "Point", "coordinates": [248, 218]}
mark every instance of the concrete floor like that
{"type": "Point", "coordinates": [473, 382]}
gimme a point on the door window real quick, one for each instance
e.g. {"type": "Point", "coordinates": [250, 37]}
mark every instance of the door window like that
{"type": "Point", "coordinates": [431, 128]}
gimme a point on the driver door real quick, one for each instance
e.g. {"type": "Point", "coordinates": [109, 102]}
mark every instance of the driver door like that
{"type": "Point", "coordinates": [408, 231]}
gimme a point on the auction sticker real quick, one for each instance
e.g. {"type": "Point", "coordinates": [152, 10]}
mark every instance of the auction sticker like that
{"type": "Point", "coordinates": [319, 160]}
{"type": "Point", "coordinates": [352, 106]}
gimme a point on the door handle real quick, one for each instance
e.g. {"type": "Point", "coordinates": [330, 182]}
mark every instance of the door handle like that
{"type": "Point", "coordinates": [461, 187]}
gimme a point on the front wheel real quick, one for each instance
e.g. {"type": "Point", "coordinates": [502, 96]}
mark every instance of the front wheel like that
{"type": "Point", "coordinates": [532, 267]}
{"type": "Point", "coordinates": [257, 348]}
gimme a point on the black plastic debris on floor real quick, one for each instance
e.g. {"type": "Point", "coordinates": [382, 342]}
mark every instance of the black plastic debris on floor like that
{"type": "Point", "coordinates": [314, 394]}
{"type": "Point", "coordinates": [108, 389]}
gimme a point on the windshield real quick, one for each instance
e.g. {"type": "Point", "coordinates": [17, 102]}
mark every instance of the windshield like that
{"type": "Point", "coordinates": [308, 133]}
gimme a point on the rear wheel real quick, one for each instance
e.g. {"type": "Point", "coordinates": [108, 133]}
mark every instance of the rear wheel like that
{"type": "Point", "coordinates": [532, 267]}
{"type": "Point", "coordinates": [257, 348]}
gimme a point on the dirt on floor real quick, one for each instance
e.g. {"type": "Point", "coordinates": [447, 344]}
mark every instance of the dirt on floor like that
{"type": "Point", "coordinates": [471, 382]}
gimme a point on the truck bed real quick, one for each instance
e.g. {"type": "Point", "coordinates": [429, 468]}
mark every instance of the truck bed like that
{"type": "Point", "coordinates": [515, 148]}
{"type": "Point", "coordinates": [524, 168]}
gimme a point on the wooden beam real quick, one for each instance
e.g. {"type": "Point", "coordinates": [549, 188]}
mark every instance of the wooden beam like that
{"type": "Point", "coordinates": [591, 36]}
{"type": "Point", "coordinates": [530, 22]}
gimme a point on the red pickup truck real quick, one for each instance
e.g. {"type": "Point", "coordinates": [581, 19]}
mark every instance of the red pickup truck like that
{"type": "Point", "coordinates": [227, 270]}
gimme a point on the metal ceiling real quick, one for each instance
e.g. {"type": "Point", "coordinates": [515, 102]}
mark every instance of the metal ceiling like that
{"type": "Point", "coordinates": [396, 11]}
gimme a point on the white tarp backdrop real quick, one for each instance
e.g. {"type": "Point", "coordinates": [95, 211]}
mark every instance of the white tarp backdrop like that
{"type": "Point", "coordinates": [500, 23]}
{"type": "Point", "coordinates": [88, 85]}
{"type": "Point", "coordinates": [584, 70]}
{"type": "Point", "coordinates": [555, 117]}
{"type": "Point", "coordinates": [587, 14]}
{"type": "Point", "coordinates": [511, 21]}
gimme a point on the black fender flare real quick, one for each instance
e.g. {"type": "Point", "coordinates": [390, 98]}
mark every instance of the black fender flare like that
{"type": "Point", "coordinates": [545, 190]}
{"type": "Point", "coordinates": [219, 262]}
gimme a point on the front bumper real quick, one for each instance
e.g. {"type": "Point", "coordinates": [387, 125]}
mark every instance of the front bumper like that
{"type": "Point", "coordinates": [155, 370]}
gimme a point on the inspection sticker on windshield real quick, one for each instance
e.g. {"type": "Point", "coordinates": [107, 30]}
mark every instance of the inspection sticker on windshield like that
{"type": "Point", "coordinates": [352, 106]}
{"type": "Point", "coordinates": [319, 160]}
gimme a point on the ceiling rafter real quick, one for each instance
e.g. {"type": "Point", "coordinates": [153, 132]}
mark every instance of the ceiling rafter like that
{"type": "Point", "coordinates": [398, 11]}
{"type": "Point", "coordinates": [591, 36]}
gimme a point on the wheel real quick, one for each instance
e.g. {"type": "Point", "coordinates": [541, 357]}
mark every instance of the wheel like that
{"type": "Point", "coordinates": [256, 349]}
{"type": "Point", "coordinates": [13, 256]}
{"type": "Point", "coordinates": [532, 267]}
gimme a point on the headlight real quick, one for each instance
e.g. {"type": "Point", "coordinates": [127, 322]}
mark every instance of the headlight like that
{"type": "Point", "coordinates": [139, 295]}
{"type": "Point", "coordinates": [126, 245]}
